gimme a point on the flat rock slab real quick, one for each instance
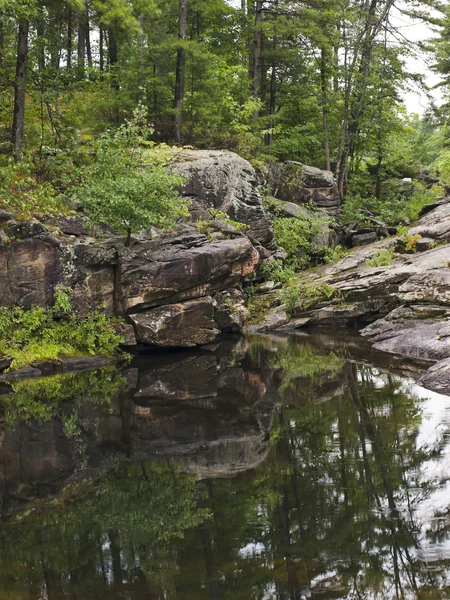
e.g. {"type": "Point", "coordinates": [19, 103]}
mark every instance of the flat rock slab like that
{"type": "Point", "coordinates": [274, 319]}
{"type": "Point", "coordinates": [179, 266]}
{"type": "Point", "coordinates": [184, 324]}
{"type": "Point", "coordinates": [437, 378]}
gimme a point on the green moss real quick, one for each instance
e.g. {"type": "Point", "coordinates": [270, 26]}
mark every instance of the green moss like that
{"type": "Point", "coordinates": [382, 258]}
{"type": "Point", "coordinates": [39, 334]}
{"type": "Point", "coordinates": [297, 297]}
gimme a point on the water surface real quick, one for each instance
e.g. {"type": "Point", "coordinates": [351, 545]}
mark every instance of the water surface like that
{"type": "Point", "coordinates": [268, 468]}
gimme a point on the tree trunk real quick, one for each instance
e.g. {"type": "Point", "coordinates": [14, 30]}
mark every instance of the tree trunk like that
{"type": "Point", "coordinates": [20, 90]}
{"type": "Point", "coordinates": [324, 86]}
{"type": "Point", "coordinates": [87, 39]}
{"type": "Point", "coordinates": [180, 70]}
{"type": "Point", "coordinates": [257, 54]}
{"type": "Point", "coordinates": [80, 49]}
{"type": "Point", "coordinates": [69, 39]}
{"type": "Point", "coordinates": [1, 44]}
{"type": "Point", "coordinates": [100, 50]}
{"type": "Point", "coordinates": [113, 58]}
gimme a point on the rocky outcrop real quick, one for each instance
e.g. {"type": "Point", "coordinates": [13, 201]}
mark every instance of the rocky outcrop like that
{"type": "Point", "coordinates": [186, 324]}
{"type": "Point", "coordinates": [223, 180]}
{"type": "Point", "coordinates": [402, 307]}
{"type": "Point", "coordinates": [169, 279]}
{"type": "Point", "coordinates": [179, 266]}
{"type": "Point", "coordinates": [301, 184]}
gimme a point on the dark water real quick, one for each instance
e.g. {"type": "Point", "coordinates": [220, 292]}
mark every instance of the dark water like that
{"type": "Point", "coordinates": [269, 468]}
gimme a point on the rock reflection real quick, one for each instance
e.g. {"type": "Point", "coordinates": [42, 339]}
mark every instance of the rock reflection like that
{"type": "Point", "coordinates": [269, 468]}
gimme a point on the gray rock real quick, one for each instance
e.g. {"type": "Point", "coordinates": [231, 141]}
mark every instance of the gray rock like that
{"type": "Point", "coordinates": [225, 181]}
{"type": "Point", "coordinates": [294, 182]}
{"type": "Point", "coordinates": [361, 239]}
{"type": "Point", "coordinates": [437, 378]}
{"type": "Point", "coordinates": [275, 318]}
{"type": "Point", "coordinates": [179, 266]}
{"type": "Point", "coordinates": [177, 325]}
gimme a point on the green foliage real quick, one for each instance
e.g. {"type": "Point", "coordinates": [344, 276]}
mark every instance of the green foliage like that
{"type": "Point", "coordinates": [127, 187]}
{"type": "Point", "coordinates": [61, 396]}
{"type": "Point", "coordinates": [277, 271]}
{"type": "Point", "coordinates": [297, 297]}
{"type": "Point", "coordinates": [219, 222]}
{"type": "Point", "coordinates": [398, 205]}
{"type": "Point", "coordinates": [22, 192]}
{"type": "Point", "coordinates": [382, 258]}
{"type": "Point", "coordinates": [38, 334]}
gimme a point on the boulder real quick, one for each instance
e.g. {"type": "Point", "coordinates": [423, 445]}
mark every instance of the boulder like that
{"type": "Point", "coordinates": [179, 266]}
{"type": "Point", "coordinates": [30, 270]}
{"type": "Point", "coordinates": [223, 180]}
{"type": "Point", "coordinates": [298, 183]}
{"type": "Point", "coordinates": [177, 325]}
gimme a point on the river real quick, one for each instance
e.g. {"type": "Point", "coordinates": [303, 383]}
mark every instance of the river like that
{"type": "Point", "coordinates": [273, 467]}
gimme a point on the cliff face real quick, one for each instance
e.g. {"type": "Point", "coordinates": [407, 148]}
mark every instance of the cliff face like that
{"type": "Point", "coordinates": [178, 288]}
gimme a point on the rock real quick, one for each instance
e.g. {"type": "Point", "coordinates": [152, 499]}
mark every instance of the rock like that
{"type": "Point", "coordinates": [223, 180]}
{"type": "Point", "coordinates": [48, 367]}
{"type": "Point", "coordinates": [30, 270]}
{"type": "Point", "coordinates": [126, 331]}
{"type": "Point", "coordinates": [276, 317]}
{"type": "Point", "coordinates": [429, 207]}
{"type": "Point", "coordinates": [437, 378]}
{"type": "Point", "coordinates": [5, 363]}
{"type": "Point", "coordinates": [85, 363]}
{"type": "Point", "coordinates": [297, 183]}
{"type": "Point", "coordinates": [434, 225]}
{"type": "Point", "coordinates": [24, 373]}
{"type": "Point", "coordinates": [230, 312]}
{"type": "Point", "coordinates": [71, 225]}
{"type": "Point", "coordinates": [177, 325]}
{"type": "Point", "coordinates": [187, 378]}
{"type": "Point", "coordinates": [426, 339]}
{"type": "Point", "coordinates": [179, 266]}
{"type": "Point", "coordinates": [361, 239]}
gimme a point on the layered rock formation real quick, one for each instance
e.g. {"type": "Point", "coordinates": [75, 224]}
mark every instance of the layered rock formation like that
{"type": "Point", "coordinates": [402, 307]}
{"type": "Point", "coordinates": [165, 284]}
{"type": "Point", "coordinates": [223, 180]}
{"type": "Point", "coordinates": [301, 184]}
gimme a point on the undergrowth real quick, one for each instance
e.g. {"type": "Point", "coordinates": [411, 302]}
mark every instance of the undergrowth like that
{"type": "Point", "coordinates": [40, 334]}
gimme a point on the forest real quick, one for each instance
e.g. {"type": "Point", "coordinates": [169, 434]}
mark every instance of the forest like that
{"type": "Point", "coordinates": [321, 82]}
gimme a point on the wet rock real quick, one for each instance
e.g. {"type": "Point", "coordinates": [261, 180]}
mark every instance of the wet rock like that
{"type": "Point", "coordinates": [126, 331]}
{"type": "Point", "coordinates": [24, 373]}
{"type": "Point", "coordinates": [437, 378]}
{"type": "Point", "coordinates": [187, 378]}
{"type": "Point", "coordinates": [223, 180]}
{"type": "Point", "coordinates": [48, 367]}
{"type": "Point", "coordinates": [177, 325]}
{"type": "Point", "coordinates": [5, 363]}
{"type": "Point", "coordinates": [85, 363]}
{"type": "Point", "coordinates": [276, 317]}
{"type": "Point", "coordinates": [294, 182]}
{"type": "Point", "coordinates": [230, 313]}
{"type": "Point", "coordinates": [180, 266]}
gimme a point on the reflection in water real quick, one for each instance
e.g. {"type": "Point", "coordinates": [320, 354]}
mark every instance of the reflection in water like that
{"type": "Point", "coordinates": [269, 468]}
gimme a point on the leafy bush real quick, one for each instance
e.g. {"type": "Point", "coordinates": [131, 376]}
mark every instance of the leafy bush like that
{"type": "Point", "coordinates": [39, 334]}
{"type": "Point", "coordinates": [382, 258]}
{"type": "Point", "coordinates": [304, 296]}
{"type": "Point", "coordinates": [276, 270]}
{"type": "Point", "coordinates": [399, 205]}
{"type": "Point", "coordinates": [20, 191]}
{"type": "Point", "coordinates": [128, 187]}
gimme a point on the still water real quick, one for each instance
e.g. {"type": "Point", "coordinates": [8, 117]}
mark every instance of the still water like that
{"type": "Point", "coordinates": [263, 468]}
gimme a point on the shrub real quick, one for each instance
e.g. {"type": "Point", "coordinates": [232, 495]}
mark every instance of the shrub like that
{"type": "Point", "coordinates": [33, 335]}
{"type": "Point", "coordinates": [128, 187]}
{"type": "Point", "coordinates": [380, 259]}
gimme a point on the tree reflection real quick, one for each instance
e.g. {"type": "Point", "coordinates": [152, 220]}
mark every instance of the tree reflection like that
{"type": "Point", "coordinates": [337, 510]}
